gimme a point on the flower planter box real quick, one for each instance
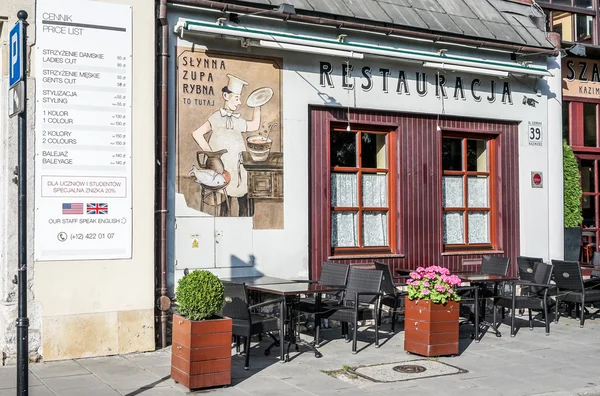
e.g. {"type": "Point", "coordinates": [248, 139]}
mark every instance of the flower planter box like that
{"type": "Point", "coordinates": [431, 329]}
{"type": "Point", "coordinates": [201, 352]}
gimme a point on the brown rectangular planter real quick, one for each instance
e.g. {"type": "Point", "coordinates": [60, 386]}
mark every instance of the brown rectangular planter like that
{"type": "Point", "coordinates": [431, 329]}
{"type": "Point", "coordinates": [201, 352]}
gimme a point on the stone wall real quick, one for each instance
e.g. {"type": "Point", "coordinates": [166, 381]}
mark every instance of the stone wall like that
{"type": "Point", "coordinates": [9, 199]}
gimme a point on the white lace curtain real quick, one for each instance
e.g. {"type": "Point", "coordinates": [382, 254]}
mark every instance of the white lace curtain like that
{"type": "Point", "coordinates": [453, 222]}
{"type": "Point", "coordinates": [344, 225]}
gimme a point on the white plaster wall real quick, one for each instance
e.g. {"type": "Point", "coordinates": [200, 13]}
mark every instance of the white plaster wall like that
{"type": "Point", "coordinates": [285, 252]}
{"type": "Point", "coordinates": [9, 200]}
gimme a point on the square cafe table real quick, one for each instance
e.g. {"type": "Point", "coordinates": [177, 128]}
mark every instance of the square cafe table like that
{"type": "Point", "coordinates": [478, 278]}
{"type": "Point", "coordinates": [258, 280]}
{"type": "Point", "coordinates": [289, 291]}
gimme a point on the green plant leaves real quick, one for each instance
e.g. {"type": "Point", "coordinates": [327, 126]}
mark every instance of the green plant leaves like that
{"type": "Point", "coordinates": [200, 295]}
{"type": "Point", "coordinates": [572, 188]}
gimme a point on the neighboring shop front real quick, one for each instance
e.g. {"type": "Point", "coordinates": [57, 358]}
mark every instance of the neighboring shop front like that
{"type": "Point", "coordinates": [378, 151]}
{"type": "Point", "coordinates": [581, 97]}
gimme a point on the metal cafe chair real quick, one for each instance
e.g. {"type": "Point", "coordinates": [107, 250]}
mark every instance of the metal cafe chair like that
{"type": "Point", "coordinates": [526, 266]}
{"type": "Point", "coordinates": [245, 321]}
{"type": "Point", "coordinates": [492, 265]}
{"type": "Point", "coordinates": [571, 287]}
{"type": "Point", "coordinates": [332, 274]}
{"type": "Point", "coordinates": [534, 295]}
{"type": "Point", "coordinates": [391, 297]}
{"type": "Point", "coordinates": [360, 302]}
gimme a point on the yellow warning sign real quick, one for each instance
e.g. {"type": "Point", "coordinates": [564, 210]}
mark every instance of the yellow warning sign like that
{"type": "Point", "coordinates": [195, 244]}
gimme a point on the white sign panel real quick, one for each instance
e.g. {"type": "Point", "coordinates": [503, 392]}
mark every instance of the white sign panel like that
{"type": "Point", "coordinates": [535, 133]}
{"type": "Point", "coordinates": [83, 206]}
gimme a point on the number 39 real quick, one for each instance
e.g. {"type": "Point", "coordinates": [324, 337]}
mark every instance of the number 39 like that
{"type": "Point", "coordinates": [535, 133]}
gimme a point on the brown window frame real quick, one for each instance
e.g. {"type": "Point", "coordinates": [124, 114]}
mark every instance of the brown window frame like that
{"type": "Point", "coordinates": [492, 207]}
{"type": "Point", "coordinates": [551, 8]}
{"type": "Point", "coordinates": [359, 170]}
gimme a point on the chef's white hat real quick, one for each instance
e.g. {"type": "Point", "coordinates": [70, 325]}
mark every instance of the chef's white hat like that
{"type": "Point", "coordinates": [235, 84]}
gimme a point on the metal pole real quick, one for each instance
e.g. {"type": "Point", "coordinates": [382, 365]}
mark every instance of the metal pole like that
{"type": "Point", "coordinates": [22, 320]}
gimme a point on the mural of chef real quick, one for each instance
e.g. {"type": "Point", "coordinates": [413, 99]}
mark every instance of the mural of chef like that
{"type": "Point", "coordinates": [227, 126]}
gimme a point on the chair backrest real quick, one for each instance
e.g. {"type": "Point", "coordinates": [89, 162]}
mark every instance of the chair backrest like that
{"type": "Point", "coordinates": [236, 301]}
{"type": "Point", "coordinates": [596, 261]}
{"type": "Point", "coordinates": [364, 281]}
{"type": "Point", "coordinates": [526, 266]}
{"type": "Point", "coordinates": [542, 273]}
{"type": "Point", "coordinates": [387, 281]}
{"type": "Point", "coordinates": [494, 265]}
{"type": "Point", "coordinates": [567, 275]}
{"type": "Point", "coordinates": [334, 274]}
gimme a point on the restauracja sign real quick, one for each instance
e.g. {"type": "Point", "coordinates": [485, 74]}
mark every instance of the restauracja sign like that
{"type": "Point", "coordinates": [402, 83]}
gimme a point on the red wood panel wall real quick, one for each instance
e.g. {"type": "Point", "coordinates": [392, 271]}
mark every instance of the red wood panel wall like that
{"type": "Point", "coordinates": [419, 186]}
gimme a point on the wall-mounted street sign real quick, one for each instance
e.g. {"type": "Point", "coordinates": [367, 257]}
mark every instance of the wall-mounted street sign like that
{"type": "Point", "coordinates": [15, 69]}
{"type": "Point", "coordinates": [16, 99]}
{"type": "Point", "coordinates": [535, 133]}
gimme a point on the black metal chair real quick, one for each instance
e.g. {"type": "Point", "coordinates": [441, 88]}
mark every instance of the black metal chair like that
{"type": "Point", "coordinates": [332, 274]}
{"type": "Point", "coordinates": [534, 296]}
{"type": "Point", "coordinates": [571, 288]}
{"type": "Point", "coordinates": [526, 267]}
{"type": "Point", "coordinates": [595, 275]}
{"type": "Point", "coordinates": [392, 297]}
{"type": "Point", "coordinates": [360, 302]}
{"type": "Point", "coordinates": [494, 265]}
{"type": "Point", "coordinates": [245, 321]}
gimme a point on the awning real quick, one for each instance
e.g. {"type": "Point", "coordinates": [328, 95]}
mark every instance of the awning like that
{"type": "Point", "coordinates": [354, 50]}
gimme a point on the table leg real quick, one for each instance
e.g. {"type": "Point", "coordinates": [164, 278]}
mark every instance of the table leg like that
{"type": "Point", "coordinates": [512, 314]}
{"type": "Point", "coordinates": [317, 319]}
{"type": "Point", "coordinates": [476, 307]}
{"type": "Point", "coordinates": [485, 323]}
{"type": "Point", "coordinates": [283, 308]}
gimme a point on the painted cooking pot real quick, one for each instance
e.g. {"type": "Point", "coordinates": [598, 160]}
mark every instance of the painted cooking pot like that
{"type": "Point", "coordinates": [259, 147]}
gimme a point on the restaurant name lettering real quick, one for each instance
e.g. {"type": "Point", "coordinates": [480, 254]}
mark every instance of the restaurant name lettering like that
{"type": "Point", "coordinates": [405, 83]}
{"type": "Point", "coordinates": [582, 79]}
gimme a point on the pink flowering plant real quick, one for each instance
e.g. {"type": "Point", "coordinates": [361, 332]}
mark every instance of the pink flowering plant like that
{"type": "Point", "coordinates": [433, 283]}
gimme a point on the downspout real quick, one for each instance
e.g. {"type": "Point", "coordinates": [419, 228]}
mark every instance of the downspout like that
{"type": "Point", "coordinates": [163, 300]}
{"type": "Point", "coordinates": [234, 8]}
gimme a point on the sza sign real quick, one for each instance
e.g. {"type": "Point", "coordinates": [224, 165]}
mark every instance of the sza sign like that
{"type": "Point", "coordinates": [584, 74]}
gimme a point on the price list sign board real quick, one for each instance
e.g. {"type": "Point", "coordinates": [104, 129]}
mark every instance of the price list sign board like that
{"type": "Point", "coordinates": [83, 206]}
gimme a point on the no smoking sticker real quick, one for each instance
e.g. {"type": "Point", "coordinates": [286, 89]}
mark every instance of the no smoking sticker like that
{"type": "Point", "coordinates": [537, 180]}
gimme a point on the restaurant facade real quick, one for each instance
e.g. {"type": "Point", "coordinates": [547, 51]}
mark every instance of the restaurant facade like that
{"type": "Point", "coordinates": [266, 140]}
{"type": "Point", "coordinates": [368, 146]}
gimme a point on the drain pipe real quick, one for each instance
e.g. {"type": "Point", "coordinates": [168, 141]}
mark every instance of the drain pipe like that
{"type": "Point", "coordinates": [162, 47]}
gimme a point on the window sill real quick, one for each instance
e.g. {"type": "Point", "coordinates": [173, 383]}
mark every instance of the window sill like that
{"type": "Point", "coordinates": [365, 256]}
{"type": "Point", "coordinates": [471, 252]}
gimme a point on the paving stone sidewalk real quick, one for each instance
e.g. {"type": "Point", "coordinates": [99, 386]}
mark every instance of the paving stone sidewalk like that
{"type": "Point", "coordinates": [564, 363]}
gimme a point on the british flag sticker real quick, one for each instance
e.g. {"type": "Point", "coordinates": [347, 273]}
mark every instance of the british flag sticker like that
{"type": "Point", "coordinates": [97, 208]}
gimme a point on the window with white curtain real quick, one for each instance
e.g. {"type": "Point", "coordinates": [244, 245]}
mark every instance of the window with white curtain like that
{"type": "Point", "coordinates": [466, 193]}
{"type": "Point", "coordinates": [360, 191]}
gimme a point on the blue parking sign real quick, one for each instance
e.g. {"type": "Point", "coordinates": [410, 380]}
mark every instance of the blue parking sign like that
{"type": "Point", "coordinates": [15, 64]}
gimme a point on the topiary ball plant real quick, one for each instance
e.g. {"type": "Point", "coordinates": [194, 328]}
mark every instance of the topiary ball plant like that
{"type": "Point", "coordinates": [200, 295]}
{"type": "Point", "coordinates": [572, 188]}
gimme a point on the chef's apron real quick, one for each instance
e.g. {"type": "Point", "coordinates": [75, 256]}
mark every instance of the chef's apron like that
{"type": "Point", "coordinates": [227, 134]}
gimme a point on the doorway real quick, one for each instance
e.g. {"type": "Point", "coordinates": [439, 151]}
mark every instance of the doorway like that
{"type": "Point", "coordinates": [589, 166]}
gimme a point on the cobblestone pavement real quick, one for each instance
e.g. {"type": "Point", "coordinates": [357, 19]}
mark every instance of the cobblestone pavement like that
{"type": "Point", "coordinates": [564, 363]}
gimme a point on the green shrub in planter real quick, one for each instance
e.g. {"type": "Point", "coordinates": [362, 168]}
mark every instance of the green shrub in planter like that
{"type": "Point", "coordinates": [572, 188]}
{"type": "Point", "coordinates": [200, 295]}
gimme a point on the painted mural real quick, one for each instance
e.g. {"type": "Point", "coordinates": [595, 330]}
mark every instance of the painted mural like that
{"type": "Point", "coordinates": [229, 135]}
